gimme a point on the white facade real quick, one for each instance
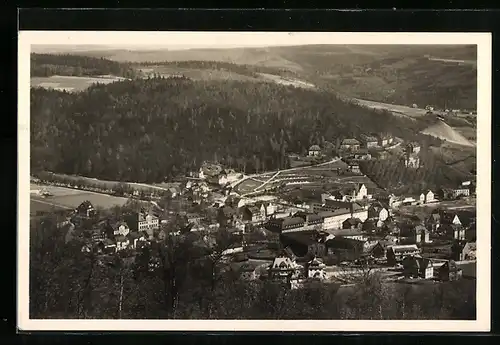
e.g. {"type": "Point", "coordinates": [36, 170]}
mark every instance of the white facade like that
{"type": "Point", "coordinates": [361, 214]}
{"type": "Point", "coordinates": [150, 222]}
{"type": "Point", "coordinates": [383, 215]}
{"type": "Point", "coordinates": [362, 193]}
{"type": "Point", "coordinates": [122, 230]}
{"type": "Point", "coordinates": [335, 222]}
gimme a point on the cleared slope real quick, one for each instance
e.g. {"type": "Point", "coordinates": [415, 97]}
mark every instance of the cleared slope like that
{"type": "Point", "coordinates": [443, 131]}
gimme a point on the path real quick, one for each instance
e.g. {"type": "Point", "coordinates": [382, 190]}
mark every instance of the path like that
{"type": "Point", "coordinates": [276, 173]}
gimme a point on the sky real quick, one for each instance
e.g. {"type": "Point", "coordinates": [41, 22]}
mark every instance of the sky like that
{"type": "Point", "coordinates": [136, 40]}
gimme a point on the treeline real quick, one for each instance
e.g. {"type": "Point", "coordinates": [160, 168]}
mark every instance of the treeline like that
{"type": "Point", "coordinates": [406, 81]}
{"type": "Point", "coordinates": [46, 65]}
{"type": "Point", "coordinates": [147, 129]}
{"type": "Point", "coordinates": [180, 279]}
{"type": "Point", "coordinates": [248, 70]}
{"type": "Point", "coordinates": [392, 175]}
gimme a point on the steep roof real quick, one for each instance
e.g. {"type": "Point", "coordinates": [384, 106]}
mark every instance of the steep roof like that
{"type": "Point", "coordinates": [314, 148]}
{"type": "Point", "coordinates": [350, 141]}
{"type": "Point", "coordinates": [353, 221]}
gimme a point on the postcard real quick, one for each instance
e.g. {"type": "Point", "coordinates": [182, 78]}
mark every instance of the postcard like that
{"type": "Point", "coordinates": [254, 181]}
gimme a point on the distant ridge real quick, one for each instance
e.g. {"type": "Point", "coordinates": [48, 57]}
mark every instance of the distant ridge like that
{"type": "Point", "coordinates": [445, 132]}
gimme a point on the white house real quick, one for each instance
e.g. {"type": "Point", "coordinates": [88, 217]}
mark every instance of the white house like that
{"type": "Point", "coordinates": [122, 242]}
{"type": "Point", "coordinates": [314, 150]}
{"type": "Point", "coordinates": [316, 269]}
{"type": "Point", "coordinates": [121, 229]}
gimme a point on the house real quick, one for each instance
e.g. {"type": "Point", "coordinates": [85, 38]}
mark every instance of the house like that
{"type": "Point", "coordinates": [421, 234]}
{"type": "Point", "coordinates": [362, 155]}
{"type": "Point", "coordinates": [449, 271]}
{"type": "Point", "coordinates": [360, 191]}
{"type": "Point", "coordinates": [294, 224]}
{"type": "Point", "coordinates": [411, 161]}
{"type": "Point", "coordinates": [231, 175]}
{"type": "Point", "coordinates": [468, 252]}
{"type": "Point", "coordinates": [122, 242]}
{"type": "Point", "coordinates": [428, 197]}
{"type": "Point", "coordinates": [433, 222]}
{"type": "Point", "coordinates": [385, 140]}
{"type": "Point", "coordinates": [226, 216]}
{"type": "Point", "coordinates": [374, 249]}
{"type": "Point", "coordinates": [173, 192]}
{"type": "Point", "coordinates": [397, 253]}
{"type": "Point", "coordinates": [143, 221]}
{"type": "Point", "coordinates": [85, 209]}
{"type": "Point", "coordinates": [413, 148]}
{"type": "Point", "coordinates": [315, 269]}
{"type": "Point", "coordinates": [219, 179]}
{"type": "Point", "coordinates": [358, 211]}
{"type": "Point", "coordinates": [314, 150]}
{"type": "Point", "coordinates": [138, 240]}
{"type": "Point", "coordinates": [252, 214]}
{"type": "Point", "coordinates": [350, 145]}
{"type": "Point", "coordinates": [352, 223]}
{"type": "Point", "coordinates": [369, 141]}
{"type": "Point", "coordinates": [344, 249]}
{"type": "Point", "coordinates": [460, 192]}
{"type": "Point", "coordinates": [378, 211]}
{"type": "Point", "coordinates": [417, 266]}
{"type": "Point", "coordinates": [283, 269]}
{"type": "Point", "coordinates": [352, 233]}
{"type": "Point", "coordinates": [303, 243]}
{"type": "Point", "coordinates": [121, 229]}
{"type": "Point", "coordinates": [353, 167]}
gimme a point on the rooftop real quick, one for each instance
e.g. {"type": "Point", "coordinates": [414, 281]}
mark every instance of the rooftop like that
{"type": "Point", "coordinates": [350, 141]}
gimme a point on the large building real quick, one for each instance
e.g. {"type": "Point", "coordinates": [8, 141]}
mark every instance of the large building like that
{"type": "Point", "coordinates": [350, 145]}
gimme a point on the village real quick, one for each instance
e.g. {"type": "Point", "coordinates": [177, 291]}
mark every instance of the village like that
{"type": "Point", "coordinates": [340, 230]}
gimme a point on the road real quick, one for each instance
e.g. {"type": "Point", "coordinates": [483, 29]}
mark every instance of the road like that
{"type": "Point", "coordinates": [276, 173]}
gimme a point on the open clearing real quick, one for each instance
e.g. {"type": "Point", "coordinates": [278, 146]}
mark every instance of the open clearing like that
{"type": "Point", "coordinates": [70, 83]}
{"type": "Point", "coordinates": [70, 199]}
{"type": "Point", "coordinates": [396, 109]}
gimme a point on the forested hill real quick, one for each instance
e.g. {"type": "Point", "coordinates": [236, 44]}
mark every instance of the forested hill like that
{"type": "Point", "coordinates": [46, 65]}
{"type": "Point", "coordinates": [146, 129]}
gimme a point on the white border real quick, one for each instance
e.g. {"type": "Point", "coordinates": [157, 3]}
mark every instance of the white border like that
{"type": "Point", "coordinates": [232, 39]}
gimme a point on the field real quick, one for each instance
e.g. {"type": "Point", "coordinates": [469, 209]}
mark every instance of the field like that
{"type": "Point", "coordinates": [248, 185]}
{"type": "Point", "coordinates": [66, 198]}
{"type": "Point", "coordinates": [394, 108]}
{"type": "Point", "coordinates": [69, 83]}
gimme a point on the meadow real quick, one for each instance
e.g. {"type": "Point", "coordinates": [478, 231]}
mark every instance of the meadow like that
{"type": "Point", "coordinates": [67, 198]}
{"type": "Point", "coordinates": [70, 83]}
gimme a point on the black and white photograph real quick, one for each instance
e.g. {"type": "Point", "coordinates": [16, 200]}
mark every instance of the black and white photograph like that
{"type": "Point", "coordinates": [254, 181]}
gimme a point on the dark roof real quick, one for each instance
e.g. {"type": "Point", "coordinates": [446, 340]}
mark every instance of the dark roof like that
{"type": "Point", "coordinates": [350, 141]}
{"type": "Point", "coordinates": [288, 221]}
{"type": "Point", "coordinates": [368, 138]}
{"type": "Point", "coordinates": [302, 237]}
{"type": "Point", "coordinates": [314, 148]}
{"type": "Point", "coordinates": [344, 243]}
{"type": "Point", "coordinates": [353, 221]}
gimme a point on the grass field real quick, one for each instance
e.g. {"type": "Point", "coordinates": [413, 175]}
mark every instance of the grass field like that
{"type": "Point", "coordinates": [69, 83]}
{"type": "Point", "coordinates": [66, 198]}
{"type": "Point", "coordinates": [248, 186]}
{"type": "Point", "coordinates": [394, 108]}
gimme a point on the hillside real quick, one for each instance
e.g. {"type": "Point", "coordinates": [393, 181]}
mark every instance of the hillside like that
{"type": "Point", "coordinates": [400, 74]}
{"type": "Point", "coordinates": [136, 130]}
{"type": "Point", "coordinates": [444, 132]}
{"type": "Point", "coordinates": [46, 65]}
